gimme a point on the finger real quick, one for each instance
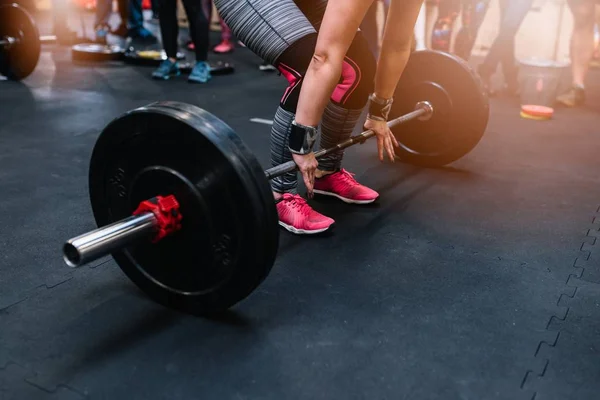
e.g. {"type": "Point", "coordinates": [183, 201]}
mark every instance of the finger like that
{"type": "Point", "coordinates": [380, 148]}
{"type": "Point", "coordinates": [306, 178]}
{"type": "Point", "coordinates": [389, 149]}
{"type": "Point", "coordinates": [311, 177]}
{"type": "Point", "coordinates": [394, 140]}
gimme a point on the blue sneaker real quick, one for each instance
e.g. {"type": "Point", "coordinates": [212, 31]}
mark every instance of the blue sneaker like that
{"type": "Point", "coordinates": [166, 70]}
{"type": "Point", "coordinates": [200, 73]}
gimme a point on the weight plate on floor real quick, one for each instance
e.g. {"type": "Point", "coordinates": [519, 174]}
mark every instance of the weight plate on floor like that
{"type": "Point", "coordinates": [229, 236]}
{"type": "Point", "coordinates": [150, 58]}
{"type": "Point", "coordinates": [537, 111]}
{"type": "Point", "coordinates": [461, 109]}
{"type": "Point", "coordinates": [216, 67]}
{"type": "Point", "coordinates": [93, 52]}
{"type": "Point", "coordinates": [18, 59]}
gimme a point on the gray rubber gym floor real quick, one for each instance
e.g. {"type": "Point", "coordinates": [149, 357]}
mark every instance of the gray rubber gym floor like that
{"type": "Point", "coordinates": [480, 280]}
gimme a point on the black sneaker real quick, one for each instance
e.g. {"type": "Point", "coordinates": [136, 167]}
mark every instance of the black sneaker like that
{"type": "Point", "coordinates": [573, 97]}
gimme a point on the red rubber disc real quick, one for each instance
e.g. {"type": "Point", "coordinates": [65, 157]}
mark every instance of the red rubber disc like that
{"type": "Point", "coordinates": [537, 111]}
{"type": "Point", "coordinates": [533, 117]}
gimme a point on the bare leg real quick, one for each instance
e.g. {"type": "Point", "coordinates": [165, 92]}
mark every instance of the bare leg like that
{"type": "Point", "coordinates": [582, 50]}
{"type": "Point", "coordinates": [340, 23]}
{"type": "Point", "coordinates": [582, 40]}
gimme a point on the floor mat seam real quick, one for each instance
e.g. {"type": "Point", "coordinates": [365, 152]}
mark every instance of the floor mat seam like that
{"type": "Point", "coordinates": [35, 291]}
{"type": "Point", "coordinates": [577, 273]}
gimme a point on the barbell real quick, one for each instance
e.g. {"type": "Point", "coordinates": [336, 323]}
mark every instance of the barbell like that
{"type": "Point", "coordinates": [20, 43]}
{"type": "Point", "coordinates": [187, 212]}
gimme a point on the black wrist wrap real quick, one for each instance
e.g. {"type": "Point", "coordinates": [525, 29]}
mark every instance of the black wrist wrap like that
{"type": "Point", "coordinates": [302, 138]}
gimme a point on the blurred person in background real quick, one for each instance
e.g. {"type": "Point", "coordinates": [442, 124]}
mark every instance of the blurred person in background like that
{"type": "Point", "coordinates": [502, 51]}
{"type": "Point", "coordinates": [135, 24]}
{"type": "Point", "coordinates": [102, 27]}
{"type": "Point", "coordinates": [582, 49]}
{"type": "Point", "coordinates": [131, 24]}
{"type": "Point", "coordinates": [199, 27]}
{"type": "Point", "coordinates": [448, 11]}
{"type": "Point", "coordinates": [226, 45]}
{"type": "Point", "coordinates": [370, 27]}
{"type": "Point", "coordinates": [472, 14]}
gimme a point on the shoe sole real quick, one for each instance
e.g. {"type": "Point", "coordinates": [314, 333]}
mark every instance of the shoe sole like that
{"type": "Point", "coordinates": [166, 77]}
{"type": "Point", "coordinates": [191, 80]}
{"type": "Point", "coordinates": [297, 231]}
{"type": "Point", "coordinates": [344, 199]}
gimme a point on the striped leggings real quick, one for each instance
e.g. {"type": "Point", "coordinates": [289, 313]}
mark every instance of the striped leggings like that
{"type": "Point", "coordinates": [284, 33]}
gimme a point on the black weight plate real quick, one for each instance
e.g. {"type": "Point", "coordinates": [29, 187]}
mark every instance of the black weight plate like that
{"type": "Point", "coordinates": [216, 67]}
{"type": "Point", "coordinates": [461, 109]}
{"type": "Point", "coordinates": [149, 58]}
{"type": "Point", "coordinates": [94, 52]}
{"type": "Point", "coordinates": [229, 236]}
{"type": "Point", "coordinates": [19, 59]}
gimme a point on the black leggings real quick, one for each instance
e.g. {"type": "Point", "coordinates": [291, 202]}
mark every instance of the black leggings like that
{"type": "Point", "coordinates": [169, 27]}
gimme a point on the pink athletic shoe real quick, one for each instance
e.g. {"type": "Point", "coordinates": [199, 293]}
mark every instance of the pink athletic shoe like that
{"type": "Point", "coordinates": [342, 185]}
{"type": "Point", "coordinates": [224, 47]}
{"type": "Point", "coordinates": [298, 217]}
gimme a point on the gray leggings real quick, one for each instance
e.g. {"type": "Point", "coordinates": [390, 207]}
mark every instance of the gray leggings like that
{"type": "Point", "coordinates": [283, 33]}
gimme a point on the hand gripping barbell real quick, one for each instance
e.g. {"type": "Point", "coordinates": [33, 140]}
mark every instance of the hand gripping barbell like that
{"type": "Point", "coordinates": [187, 212]}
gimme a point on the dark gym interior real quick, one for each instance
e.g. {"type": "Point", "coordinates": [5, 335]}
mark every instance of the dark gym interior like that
{"type": "Point", "coordinates": [476, 280]}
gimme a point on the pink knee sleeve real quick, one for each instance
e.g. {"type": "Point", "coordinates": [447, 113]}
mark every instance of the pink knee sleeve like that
{"type": "Point", "coordinates": [350, 79]}
{"type": "Point", "coordinates": [293, 77]}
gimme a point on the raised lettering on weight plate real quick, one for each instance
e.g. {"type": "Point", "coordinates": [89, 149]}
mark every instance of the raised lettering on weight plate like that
{"type": "Point", "coordinates": [117, 182]}
{"type": "Point", "coordinates": [222, 250]}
